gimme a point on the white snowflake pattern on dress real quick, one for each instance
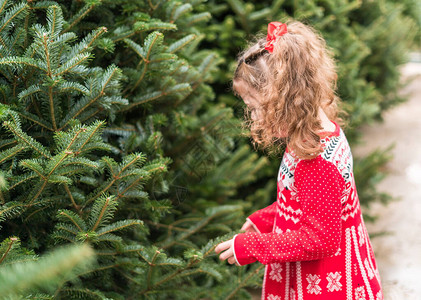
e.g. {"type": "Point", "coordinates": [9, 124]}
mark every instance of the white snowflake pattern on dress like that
{"type": "Point", "coordinates": [370, 272]}
{"type": "Point", "coordinates": [379, 295]}
{"type": "Point", "coordinates": [359, 293]}
{"type": "Point", "coordinates": [274, 297]}
{"type": "Point", "coordinates": [275, 273]}
{"type": "Point", "coordinates": [361, 235]}
{"type": "Point", "coordinates": [333, 281]}
{"type": "Point", "coordinates": [278, 230]}
{"type": "Point", "coordinates": [313, 284]}
{"type": "Point", "coordinates": [338, 252]}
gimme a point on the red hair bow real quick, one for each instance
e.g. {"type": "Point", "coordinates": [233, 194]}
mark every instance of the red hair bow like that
{"type": "Point", "coordinates": [275, 29]}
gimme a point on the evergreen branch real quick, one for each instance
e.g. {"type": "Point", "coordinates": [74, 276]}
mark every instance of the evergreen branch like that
{"type": "Point", "coordinates": [174, 47]}
{"type": "Point", "coordinates": [33, 213]}
{"type": "Point", "coordinates": [97, 34]}
{"type": "Point", "coordinates": [40, 190]}
{"type": "Point", "coordinates": [80, 15]}
{"type": "Point", "coordinates": [97, 127]}
{"type": "Point", "coordinates": [111, 71]}
{"type": "Point", "coordinates": [26, 139]}
{"type": "Point", "coordinates": [73, 86]}
{"type": "Point", "coordinates": [51, 102]}
{"type": "Point", "coordinates": [69, 215]}
{"type": "Point", "coordinates": [156, 36]}
{"type": "Point", "coordinates": [86, 163]}
{"type": "Point", "coordinates": [141, 26]}
{"type": "Point", "coordinates": [35, 88]}
{"type": "Point", "coordinates": [61, 157]}
{"type": "Point", "coordinates": [152, 6]}
{"type": "Point", "coordinates": [25, 177]}
{"type": "Point", "coordinates": [15, 11]}
{"type": "Point", "coordinates": [115, 178]}
{"type": "Point", "coordinates": [102, 212]}
{"type": "Point", "coordinates": [242, 283]}
{"type": "Point", "coordinates": [32, 166]}
{"type": "Point", "coordinates": [151, 266]}
{"type": "Point", "coordinates": [117, 226]}
{"type": "Point", "coordinates": [47, 54]}
{"type": "Point", "coordinates": [3, 5]}
{"type": "Point", "coordinates": [136, 48]}
{"type": "Point", "coordinates": [179, 11]}
{"type": "Point", "coordinates": [169, 227]}
{"type": "Point", "coordinates": [205, 16]}
{"type": "Point", "coordinates": [35, 119]}
{"type": "Point", "coordinates": [54, 20]}
{"type": "Point", "coordinates": [139, 80]}
{"type": "Point", "coordinates": [17, 60]}
{"type": "Point", "coordinates": [169, 277]}
{"type": "Point", "coordinates": [9, 246]}
{"type": "Point", "coordinates": [134, 183]}
{"type": "Point", "coordinates": [66, 187]}
{"type": "Point", "coordinates": [212, 214]}
{"type": "Point", "coordinates": [11, 152]}
{"type": "Point", "coordinates": [178, 88]}
{"type": "Point", "coordinates": [72, 63]}
{"type": "Point", "coordinates": [67, 228]}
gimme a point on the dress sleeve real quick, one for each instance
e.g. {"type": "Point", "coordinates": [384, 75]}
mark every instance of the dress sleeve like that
{"type": "Point", "coordinates": [319, 187]}
{"type": "Point", "coordinates": [263, 219]}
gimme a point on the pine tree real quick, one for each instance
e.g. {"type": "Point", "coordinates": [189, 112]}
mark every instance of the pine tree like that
{"type": "Point", "coordinates": [99, 98]}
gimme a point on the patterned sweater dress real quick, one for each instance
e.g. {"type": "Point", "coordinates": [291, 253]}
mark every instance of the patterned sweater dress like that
{"type": "Point", "coordinates": [313, 239]}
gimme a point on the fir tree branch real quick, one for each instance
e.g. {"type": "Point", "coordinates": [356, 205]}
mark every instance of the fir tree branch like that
{"type": "Point", "coordinates": [32, 119]}
{"type": "Point", "coordinates": [66, 154]}
{"type": "Point", "coordinates": [193, 262]}
{"type": "Point", "coordinates": [12, 240]}
{"type": "Point", "coordinates": [11, 152]}
{"type": "Point", "coordinates": [152, 6]}
{"type": "Point", "coordinates": [121, 195]}
{"type": "Point", "coordinates": [63, 213]}
{"type": "Point", "coordinates": [26, 139]}
{"type": "Point", "coordinates": [115, 178]}
{"type": "Point", "coordinates": [243, 283]}
{"type": "Point", "coordinates": [104, 208]}
{"type": "Point", "coordinates": [17, 12]}
{"type": "Point", "coordinates": [100, 94]}
{"type": "Point", "coordinates": [77, 207]}
{"type": "Point", "coordinates": [169, 227]}
{"type": "Point", "coordinates": [3, 6]}
{"type": "Point", "coordinates": [51, 102]}
{"type": "Point", "coordinates": [151, 266]}
{"type": "Point", "coordinates": [80, 17]}
{"type": "Point", "coordinates": [34, 212]}
{"type": "Point", "coordinates": [22, 181]}
{"type": "Point", "coordinates": [98, 126]}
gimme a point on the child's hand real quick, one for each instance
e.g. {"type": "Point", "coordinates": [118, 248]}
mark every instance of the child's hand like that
{"type": "Point", "coordinates": [248, 227]}
{"type": "Point", "coordinates": [228, 254]}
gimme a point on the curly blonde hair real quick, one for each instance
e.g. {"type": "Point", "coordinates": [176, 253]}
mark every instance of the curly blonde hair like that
{"type": "Point", "coordinates": [292, 82]}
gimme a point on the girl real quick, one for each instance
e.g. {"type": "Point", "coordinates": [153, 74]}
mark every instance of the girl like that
{"type": "Point", "coordinates": [312, 240]}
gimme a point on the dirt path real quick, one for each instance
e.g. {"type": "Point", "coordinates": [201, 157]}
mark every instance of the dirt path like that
{"type": "Point", "coordinates": [398, 254]}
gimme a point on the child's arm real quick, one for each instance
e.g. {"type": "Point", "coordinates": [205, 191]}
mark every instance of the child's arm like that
{"type": "Point", "coordinates": [263, 219]}
{"type": "Point", "coordinates": [319, 188]}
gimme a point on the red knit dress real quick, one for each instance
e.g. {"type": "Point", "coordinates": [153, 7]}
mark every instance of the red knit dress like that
{"type": "Point", "coordinates": [313, 240]}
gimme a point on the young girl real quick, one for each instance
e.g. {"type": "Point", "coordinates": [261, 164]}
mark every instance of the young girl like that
{"type": "Point", "coordinates": [312, 240]}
